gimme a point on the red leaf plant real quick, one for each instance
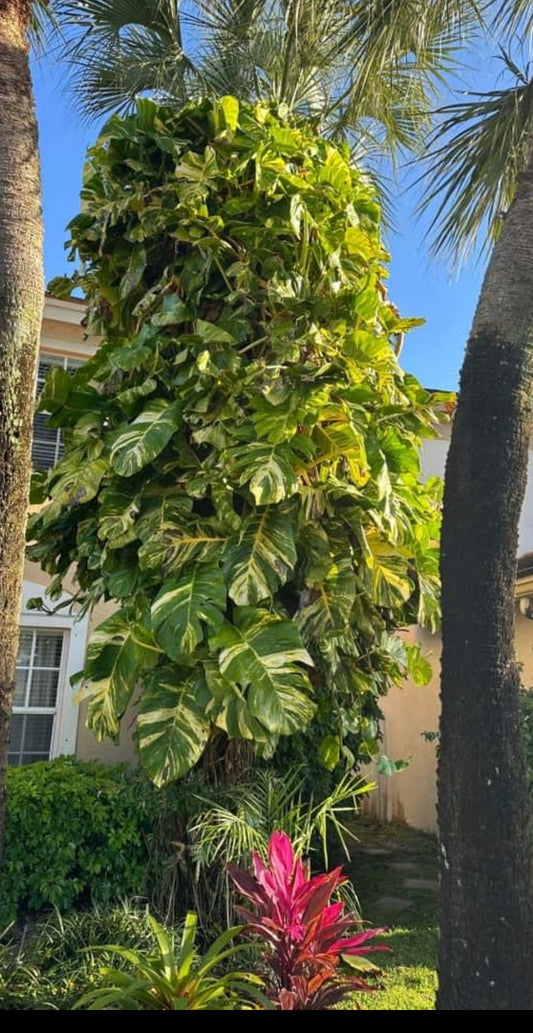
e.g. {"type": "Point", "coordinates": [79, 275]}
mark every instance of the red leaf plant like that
{"type": "Point", "coordinates": [304, 934]}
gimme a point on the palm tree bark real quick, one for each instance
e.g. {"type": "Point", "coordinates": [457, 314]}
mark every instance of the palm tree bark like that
{"type": "Point", "coordinates": [21, 303]}
{"type": "Point", "coordinates": [485, 955]}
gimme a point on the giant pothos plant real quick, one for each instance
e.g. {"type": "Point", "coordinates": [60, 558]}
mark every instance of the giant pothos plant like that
{"type": "Point", "coordinates": [241, 469]}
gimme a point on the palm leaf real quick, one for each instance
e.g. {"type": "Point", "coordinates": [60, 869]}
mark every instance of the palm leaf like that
{"type": "Point", "coordinates": [366, 70]}
{"type": "Point", "coordinates": [474, 162]}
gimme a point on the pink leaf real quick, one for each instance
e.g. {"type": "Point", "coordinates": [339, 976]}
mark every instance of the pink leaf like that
{"type": "Point", "coordinates": [281, 854]}
{"type": "Point", "coordinates": [247, 885]}
{"type": "Point", "coordinates": [322, 889]}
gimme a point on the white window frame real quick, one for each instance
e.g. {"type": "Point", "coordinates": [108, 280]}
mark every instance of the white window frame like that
{"type": "Point", "coordinates": [65, 727]}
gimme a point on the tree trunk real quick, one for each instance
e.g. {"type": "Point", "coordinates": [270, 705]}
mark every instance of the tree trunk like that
{"type": "Point", "coordinates": [485, 957]}
{"type": "Point", "coordinates": [21, 303]}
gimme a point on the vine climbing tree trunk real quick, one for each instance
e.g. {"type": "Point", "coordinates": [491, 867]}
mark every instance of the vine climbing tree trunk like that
{"type": "Point", "coordinates": [21, 302]}
{"type": "Point", "coordinates": [485, 958]}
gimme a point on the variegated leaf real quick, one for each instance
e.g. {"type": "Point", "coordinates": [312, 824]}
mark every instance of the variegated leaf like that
{"type": "Point", "coordinates": [268, 470]}
{"type": "Point", "coordinates": [173, 728]}
{"type": "Point", "coordinates": [186, 607]}
{"type": "Point", "coordinates": [171, 537]}
{"type": "Point", "coordinates": [139, 443]}
{"type": "Point", "coordinates": [261, 653]}
{"type": "Point", "coordinates": [262, 557]}
{"type": "Point", "coordinates": [119, 650]}
{"type": "Point", "coordinates": [327, 605]}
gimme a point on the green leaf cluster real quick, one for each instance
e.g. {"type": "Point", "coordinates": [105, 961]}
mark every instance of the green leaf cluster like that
{"type": "Point", "coordinates": [241, 470]}
{"type": "Point", "coordinates": [75, 832]}
{"type": "Point", "coordinates": [174, 977]}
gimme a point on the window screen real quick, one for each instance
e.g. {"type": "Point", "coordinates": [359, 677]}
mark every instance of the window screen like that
{"type": "Point", "coordinates": [47, 444]}
{"type": "Point", "coordinates": [35, 702]}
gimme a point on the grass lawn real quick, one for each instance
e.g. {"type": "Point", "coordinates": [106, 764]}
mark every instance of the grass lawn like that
{"type": "Point", "coordinates": [409, 976]}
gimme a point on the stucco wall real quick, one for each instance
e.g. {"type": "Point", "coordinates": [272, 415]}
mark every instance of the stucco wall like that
{"type": "Point", "coordinates": [411, 795]}
{"type": "Point", "coordinates": [410, 711]}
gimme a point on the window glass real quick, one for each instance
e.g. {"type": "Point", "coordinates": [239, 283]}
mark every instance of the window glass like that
{"type": "Point", "coordinates": [35, 702]}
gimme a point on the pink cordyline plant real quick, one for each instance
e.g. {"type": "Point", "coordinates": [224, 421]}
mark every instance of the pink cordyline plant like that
{"type": "Point", "coordinates": [304, 934]}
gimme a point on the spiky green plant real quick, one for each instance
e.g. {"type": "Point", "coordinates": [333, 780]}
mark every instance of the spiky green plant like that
{"type": "Point", "coordinates": [174, 977]}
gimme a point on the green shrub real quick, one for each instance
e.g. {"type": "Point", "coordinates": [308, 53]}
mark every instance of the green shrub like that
{"type": "Point", "coordinates": [81, 833]}
{"type": "Point", "coordinates": [175, 977]}
{"type": "Point", "coordinates": [75, 832]}
{"type": "Point", "coordinates": [49, 967]}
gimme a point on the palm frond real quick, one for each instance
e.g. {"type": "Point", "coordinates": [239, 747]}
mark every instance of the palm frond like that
{"type": "Point", "coordinates": [513, 16]}
{"type": "Point", "coordinates": [474, 164]}
{"type": "Point", "coordinates": [360, 69]}
{"type": "Point", "coordinates": [230, 830]}
{"type": "Point", "coordinates": [117, 50]}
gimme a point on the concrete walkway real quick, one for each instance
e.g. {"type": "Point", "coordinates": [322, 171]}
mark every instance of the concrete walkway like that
{"type": "Point", "coordinates": [393, 868]}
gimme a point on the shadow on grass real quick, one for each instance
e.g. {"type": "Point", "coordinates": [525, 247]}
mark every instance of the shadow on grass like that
{"type": "Point", "coordinates": [408, 971]}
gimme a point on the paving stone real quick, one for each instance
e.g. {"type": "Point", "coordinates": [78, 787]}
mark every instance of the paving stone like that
{"type": "Point", "coordinates": [403, 866]}
{"type": "Point", "coordinates": [395, 846]}
{"type": "Point", "coordinates": [372, 851]}
{"type": "Point", "coordinates": [393, 903]}
{"type": "Point", "coordinates": [421, 884]}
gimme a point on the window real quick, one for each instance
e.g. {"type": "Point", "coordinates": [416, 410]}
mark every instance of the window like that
{"type": "Point", "coordinates": [47, 444]}
{"type": "Point", "coordinates": [51, 649]}
{"type": "Point", "coordinates": [35, 702]}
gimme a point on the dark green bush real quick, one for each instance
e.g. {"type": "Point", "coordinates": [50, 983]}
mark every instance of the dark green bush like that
{"type": "Point", "coordinates": [75, 832]}
{"type": "Point", "coordinates": [81, 834]}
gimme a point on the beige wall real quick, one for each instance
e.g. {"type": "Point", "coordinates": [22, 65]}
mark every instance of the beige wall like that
{"type": "Point", "coordinates": [410, 711]}
{"type": "Point", "coordinates": [411, 795]}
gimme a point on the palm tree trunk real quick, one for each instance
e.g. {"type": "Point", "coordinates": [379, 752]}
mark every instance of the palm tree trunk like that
{"type": "Point", "coordinates": [485, 960]}
{"type": "Point", "coordinates": [21, 303]}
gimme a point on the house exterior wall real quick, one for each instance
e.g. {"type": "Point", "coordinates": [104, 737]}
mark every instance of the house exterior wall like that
{"type": "Point", "coordinates": [410, 711]}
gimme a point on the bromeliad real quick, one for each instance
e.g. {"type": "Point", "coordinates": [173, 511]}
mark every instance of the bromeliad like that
{"type": "Point", "coordinates": [305, 935]}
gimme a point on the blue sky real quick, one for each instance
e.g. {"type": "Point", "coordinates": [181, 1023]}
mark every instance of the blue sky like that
{"type": "Point", "coordinates": [418, 286]}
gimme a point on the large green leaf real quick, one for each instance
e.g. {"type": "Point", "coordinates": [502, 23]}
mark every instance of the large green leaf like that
{"type": "Point", "coordinates": [268, 470]}
{"type": "Point", "coordinates": [229, 708]}
{"type": "Point", "coordinates": [173, 728]}
{"type": "Point", "coordinates": [117, 516]}
{"type": "Point", "coordinates": [80, 483]}
{"type": "Point", "coordinates": [261, 653]}
{"type": "Point", "coordinates": [187, 606]}
{"type": "Point", "coordinates": [172, 537]}
{"type": "Point", "coordinates": [328, 604]}
{"type": "Point", "coordinates": [338, 439]}
{"type": "Point", "coordinates": [387, 577]}
{"type": "Point", "coordinates": [262, 557]}
{"type": "Point", "coordinates": [143, 440]}
{"type": "Point", "coordinates": [119, 650]}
